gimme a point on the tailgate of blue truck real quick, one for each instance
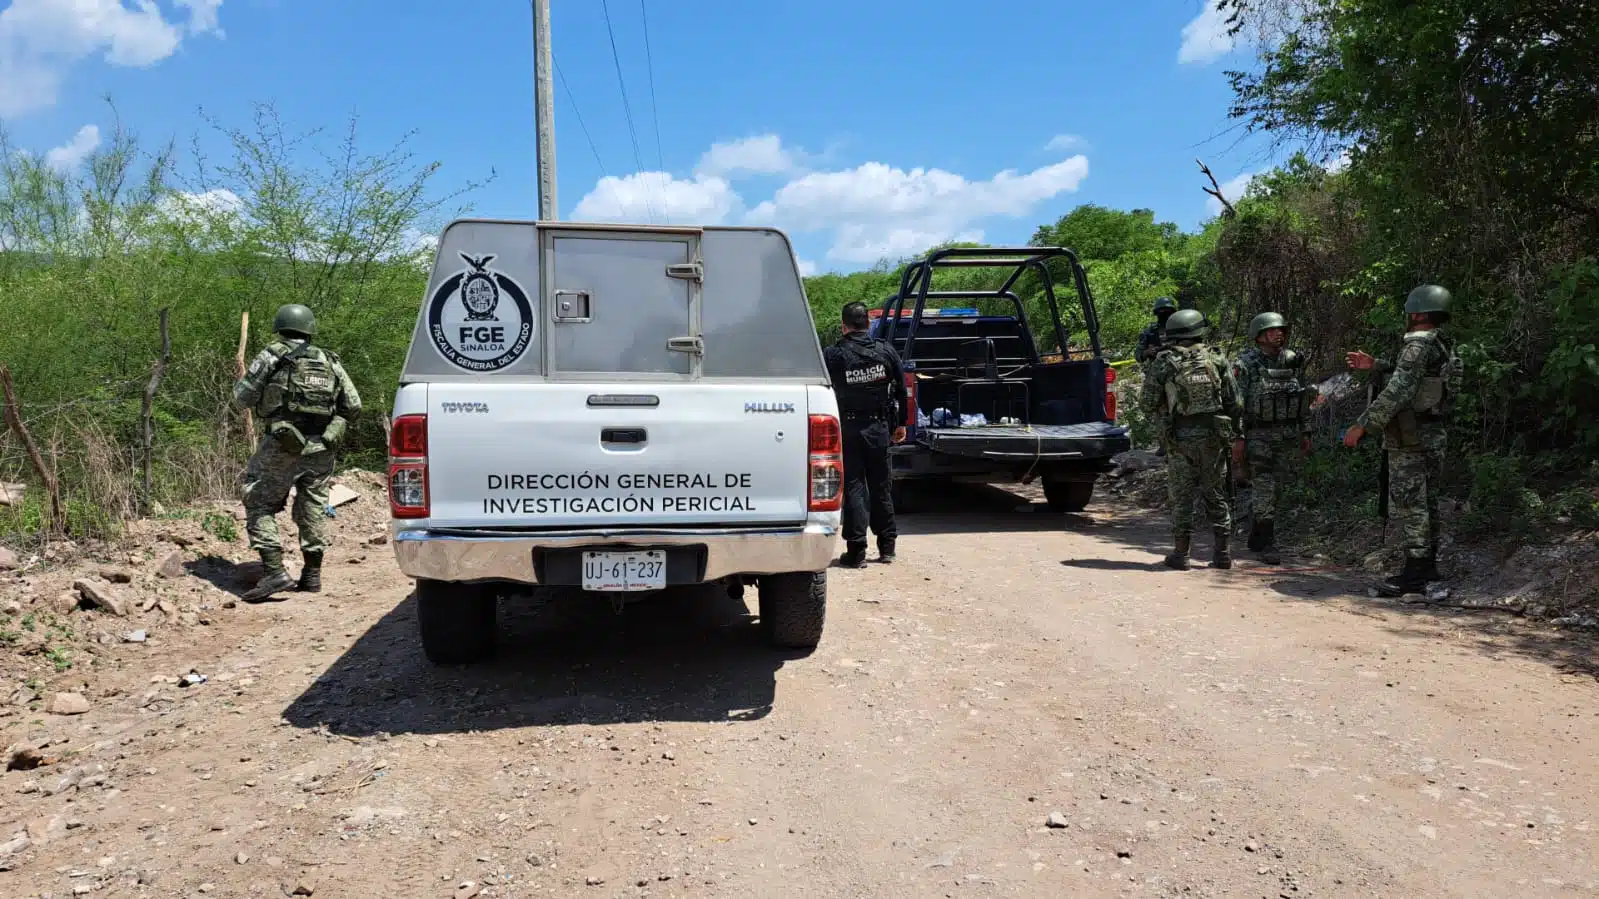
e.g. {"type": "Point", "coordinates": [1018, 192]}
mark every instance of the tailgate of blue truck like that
{"type": "Point", "coordinates": [1089, 440]}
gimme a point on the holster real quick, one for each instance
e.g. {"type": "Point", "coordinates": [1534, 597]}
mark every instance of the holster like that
{"type": "Point", "coordinates": [287, 436]}
{"type": "Point", "coordinates": [1403, 431]}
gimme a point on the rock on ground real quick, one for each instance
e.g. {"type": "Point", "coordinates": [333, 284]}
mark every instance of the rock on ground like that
{"type": "Point", "coordinates": [102, 595]}
{"type": "Point", "coordinates": [68, 704]}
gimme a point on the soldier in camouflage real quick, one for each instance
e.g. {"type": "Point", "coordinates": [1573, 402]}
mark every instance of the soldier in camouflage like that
{"type": "Point", "coordinates": [1153, 336]}
{"type": "Point", "coordinates": [1412, 413]}
{"type": "Point", "coordinates": [1190, 386]}
{"type": "Point", "coordinates": [306, 401]}
{"type": "Point", "coordinates": [1276, 424]}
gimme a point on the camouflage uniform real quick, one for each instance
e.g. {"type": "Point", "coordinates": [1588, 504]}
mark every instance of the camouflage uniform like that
{"type": "Point", "coordinates": [1197, 444]}
{"type": "Point", "coordinates": [1153, 335]}
{"type": "Point", "coordinates": [1411, 412]}
{"type": "Point", "coordinates": [292, 454]}
{"type": "Point", "coordinates": [1276, 422]}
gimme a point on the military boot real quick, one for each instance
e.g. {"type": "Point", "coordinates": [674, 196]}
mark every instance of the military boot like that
{"type": "Point", "coordinates": [1268, 543]}
{"type": "Point", "coordinates": [854, 557]}
{"type": "Point", "coordinates": [273, 578]}
{"type": "Point", "coordinates": [1411, 579]}
{"type": "Point", "coordinates": [311, 574]}
{"type": "Point", "coordinates": [1257, 532]}
{"type": "Point", "coordinates": [1222, 557]}
{"type": "Point", "coordinates": [1179, 554]}
{"type": "Point", "coordinates": [1431, 573]}
{"type": "Point", "coordinates": [885, 551]}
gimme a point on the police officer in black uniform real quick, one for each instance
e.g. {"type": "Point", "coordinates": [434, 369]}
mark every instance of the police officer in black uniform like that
{"type": "Point", "coordinates": [870, 384]}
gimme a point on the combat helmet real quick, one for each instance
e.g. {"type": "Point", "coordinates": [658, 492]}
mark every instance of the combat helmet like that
{"type": "Point", "coordinates": [1428, 298]}
{"type": "Point", "coordinates": [294, 319]}
{"type": "Point", "coordinates": [1265, 322]}
{"type": "Point", "coordinates": [1185, 324]}
{"type": "Point", "coordinates": [1165, 304]}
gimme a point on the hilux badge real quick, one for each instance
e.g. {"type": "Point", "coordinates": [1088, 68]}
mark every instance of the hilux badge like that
{"type": "Point", "coordinates": [769, 407]}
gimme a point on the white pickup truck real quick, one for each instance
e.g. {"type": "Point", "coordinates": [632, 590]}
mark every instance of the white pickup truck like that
{"type": "Point", "coordinates": [617, 409]}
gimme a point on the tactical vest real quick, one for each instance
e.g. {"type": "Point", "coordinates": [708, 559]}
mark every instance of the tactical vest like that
{"type": "Point", "coordinates": [1195, 387]}
{"type": "Point", "coordinates": [1277, 395]}
{"type": "Point", "coordinates": [1441, 377]}
{"type": "Point", "coordinates": [303, 387]}
{"type": "Point", "coordinates": [1439, 382]}
{"type": "Point", "coordinates": [866, 378]}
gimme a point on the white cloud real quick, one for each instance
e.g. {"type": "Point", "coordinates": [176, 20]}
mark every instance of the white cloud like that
{"type": "Point", "coordinates": [807, 268]}
{"type": "Point", "coordinates": [70, 155]}
{"type": "Point", "coordinates": [41, 39]}
{"type": "Point", "coordinates": [1338, 163]}
{"type": "Point", "coordinates": [760, 155]}
{"type": "Point", "coordinates": [876, 210]}
{"type": "Point", "coordinates": [660, 198]}
{"type": "Point", "coordinates": [202, 15]}
{"type": "Point", "coordinates": [200, 208]}
{"type": "Point", "coordinates": [1205, 39]}
{"type": "Point", "coordinates": [1233, 190]}
{"type": "Point", "coordinates": [869, 212]}
{"type": "Point", "coordinates": [1060, 143]}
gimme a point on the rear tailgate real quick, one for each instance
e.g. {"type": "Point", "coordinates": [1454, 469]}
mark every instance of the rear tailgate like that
{"type": "Point", "coordinates": [1023, 443]}
{"type": "Point", "coordinates": [557, 455]}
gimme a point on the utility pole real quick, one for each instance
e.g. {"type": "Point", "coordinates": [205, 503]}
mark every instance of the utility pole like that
{"type": "Point", "coordinates": [544, 107]}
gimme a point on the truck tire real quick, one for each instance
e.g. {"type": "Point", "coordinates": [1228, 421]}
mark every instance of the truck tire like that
{"type": "Point", "coordinates": [793, 608]}
{"type": "Point", "coordinates": [1068, 496]}
{"type": "Point", "coordinates": [456, 621]}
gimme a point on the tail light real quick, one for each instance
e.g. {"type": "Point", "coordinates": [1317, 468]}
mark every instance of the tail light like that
{"type": "Point", "coordinates": [408, 467]}
{"type": "Point", "coordinates": [910, 405]}
{"type": "Point", "coordinates": [826, 464]}
{"type": "Point", "coordinates": [1110, 395]}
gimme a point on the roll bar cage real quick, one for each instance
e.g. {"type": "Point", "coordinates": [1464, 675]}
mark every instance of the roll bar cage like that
{"type": "Point", "coordinates": [917, 281]}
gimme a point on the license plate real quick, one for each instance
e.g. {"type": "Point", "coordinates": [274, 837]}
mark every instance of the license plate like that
{"type": "Point", "coordinates": [613, 572]}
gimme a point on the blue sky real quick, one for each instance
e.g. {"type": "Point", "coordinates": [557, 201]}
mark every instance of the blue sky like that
{"type": "Point", "coordinates": [864, 129]}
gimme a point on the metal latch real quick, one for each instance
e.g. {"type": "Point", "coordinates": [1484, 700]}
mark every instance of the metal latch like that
{"type": "Point", "coordinates": [572, 306]}
{"type": "Point", "coordinates": [694, 345]}
{"type": "Point", "coordinates": [688, 271]}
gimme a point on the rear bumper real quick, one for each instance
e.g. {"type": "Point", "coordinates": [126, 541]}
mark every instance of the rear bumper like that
{"type": "Point", "coordinates": [463, 555]}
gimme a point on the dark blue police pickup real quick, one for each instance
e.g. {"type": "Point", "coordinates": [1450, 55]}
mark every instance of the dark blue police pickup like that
{"type": "Point", "coordinates": [986, 405]}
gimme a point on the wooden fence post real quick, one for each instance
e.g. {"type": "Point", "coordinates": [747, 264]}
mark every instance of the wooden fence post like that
{"type": "Point", "coordinates": [147, 413]}
{"type": "Point", "coordinates": [55, 525]}
{"type": "Point", "coordinates": [238, 373]}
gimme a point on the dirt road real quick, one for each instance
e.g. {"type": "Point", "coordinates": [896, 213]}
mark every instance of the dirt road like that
{"type": "Point", "coordinates": [1198, 734]}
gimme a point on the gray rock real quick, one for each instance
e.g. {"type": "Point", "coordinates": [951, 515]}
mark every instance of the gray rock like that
{"type": "Point", "coordinates": [9, 560]}
{"type": "Point", "coordinates": [68, 704]}
{"type": "Point", "coordinates": [117, 575]}
{"type": "Point", "coordinates": [11, 494]}
{"type": "Point", "coordinates": [18, 842]}
{"type": "Point", "coordinates": [1057, 819]}
{"type": "Point", "coordinates": [171, 567]}
{"type": "Point", "coordinates": [135, 636]}
{"type": "Point", "coordinates": [101, 595]}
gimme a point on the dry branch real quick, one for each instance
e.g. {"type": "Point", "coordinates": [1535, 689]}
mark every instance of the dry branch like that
{"type": "Point", "coordinates": [1215, 190]}
{"type": "Point", "coordinates": [56, 521]}
{"type": "Point", "coordinates": [147, 412]}
{"type": "Point", "coordinates": [238, 373]}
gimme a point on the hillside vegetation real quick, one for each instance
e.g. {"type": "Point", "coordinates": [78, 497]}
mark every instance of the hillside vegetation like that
{"type": "Point", "coordinates": [1442, 140]}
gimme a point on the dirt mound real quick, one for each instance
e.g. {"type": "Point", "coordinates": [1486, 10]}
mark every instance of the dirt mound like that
{"type": "Point", "coordinates": [73, 610]}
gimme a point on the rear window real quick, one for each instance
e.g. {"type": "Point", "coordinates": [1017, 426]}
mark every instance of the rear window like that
{"type": "Point", "coordinates": [755, 319]}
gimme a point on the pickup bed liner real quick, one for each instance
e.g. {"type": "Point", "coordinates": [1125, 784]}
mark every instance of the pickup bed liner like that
{"type": "Point", "coordinates": [1016, 441]}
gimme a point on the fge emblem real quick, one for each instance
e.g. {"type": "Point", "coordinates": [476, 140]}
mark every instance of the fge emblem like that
{"type": "Point", "coordinates": [480, 319]}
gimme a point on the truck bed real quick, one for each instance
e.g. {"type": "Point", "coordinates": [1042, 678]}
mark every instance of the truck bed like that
{"type": "Point", "coordinates": [1089, 440]}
